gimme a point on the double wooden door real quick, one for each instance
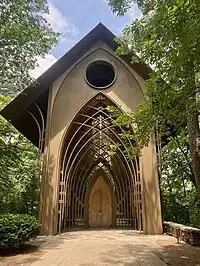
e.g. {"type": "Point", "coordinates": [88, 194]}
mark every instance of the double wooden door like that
{"type": "Point", "coordinates": [100, 204]}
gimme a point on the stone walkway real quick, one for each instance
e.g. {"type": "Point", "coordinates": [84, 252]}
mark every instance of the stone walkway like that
{"type": "Point", "coordinates": [103, 247]}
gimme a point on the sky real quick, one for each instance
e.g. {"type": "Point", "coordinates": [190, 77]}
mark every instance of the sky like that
{"type": "Point", "coordinates": [74, 19]}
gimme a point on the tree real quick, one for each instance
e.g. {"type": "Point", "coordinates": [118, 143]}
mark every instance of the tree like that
{"type": "Point", "coordinates": [19, 170]}
{"type": "Point", "coordinates": [167, 37]}
{"type": "Point", "coordinates": [177, 182]}
{"type": "Point", "coordinates": [24, 35]}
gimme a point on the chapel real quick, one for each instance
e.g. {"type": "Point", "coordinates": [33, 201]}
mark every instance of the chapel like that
{"type": "Point", "coordinates": [88, 179]}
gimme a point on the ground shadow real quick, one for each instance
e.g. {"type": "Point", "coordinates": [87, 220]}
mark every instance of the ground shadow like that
{"type": "Point", "coordinates": [25, 249]}
{"type": "Point", "coordinates": [178, 253]}
{"type": "Point", "coordinates": [25, 255]}
{"type": "Point", "coordinates": [131, 254]}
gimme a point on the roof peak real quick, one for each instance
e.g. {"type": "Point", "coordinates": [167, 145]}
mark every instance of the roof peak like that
{"type": "Point", "coordinates": [16, 111]}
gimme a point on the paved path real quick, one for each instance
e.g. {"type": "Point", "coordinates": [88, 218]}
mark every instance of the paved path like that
{"type": "Point", "coordinates": [103, 247]}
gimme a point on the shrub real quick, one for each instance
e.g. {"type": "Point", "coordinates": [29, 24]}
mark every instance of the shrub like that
{"type": "Point", "coordinates": [16, 229]}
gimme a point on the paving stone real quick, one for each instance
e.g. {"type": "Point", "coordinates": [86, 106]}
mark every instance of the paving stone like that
{"type": "Point", "coordinates": [103, 247]}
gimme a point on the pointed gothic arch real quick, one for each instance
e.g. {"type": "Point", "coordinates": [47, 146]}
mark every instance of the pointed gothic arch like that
{"type": "Point", "coordinates": [92, 145]}
{"type": "Point", "coordinates": [90, 186]}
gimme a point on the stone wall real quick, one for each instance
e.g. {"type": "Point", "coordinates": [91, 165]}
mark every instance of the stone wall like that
{"type": "Point", "coordinates": [188, 234]}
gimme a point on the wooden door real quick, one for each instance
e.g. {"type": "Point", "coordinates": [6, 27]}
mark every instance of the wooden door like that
{"type": "Point", "coordinates": [100, 204]}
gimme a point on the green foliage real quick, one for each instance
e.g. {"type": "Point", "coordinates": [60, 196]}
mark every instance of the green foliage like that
{"type": "Point", "coordinates": [178, 183]}
{"type": "Point", "coordinates": [24, 35]}
{"type": "Point", "coordinates": [120, 7]}
{"type": "Point", "coordinates": [136, 129]}
{"type": "Point", "coordinates": [17, 229]}
{"type": "Point", "coordinates": [19, 177]}
{"type": "Point", "coordinates": [167, 37]}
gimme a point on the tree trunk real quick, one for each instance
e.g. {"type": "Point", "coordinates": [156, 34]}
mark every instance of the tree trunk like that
{"type": "Point", "coordinates": [194, 140]}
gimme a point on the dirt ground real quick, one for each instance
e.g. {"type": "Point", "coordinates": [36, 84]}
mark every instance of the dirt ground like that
{"type": "Point", "coordinates": [164, 247]}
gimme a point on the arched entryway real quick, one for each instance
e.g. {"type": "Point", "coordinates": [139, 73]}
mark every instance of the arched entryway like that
{"type": "Point", "coordinates": [100, 202]}
{"type": "Point", "coordinates": [93, 155]}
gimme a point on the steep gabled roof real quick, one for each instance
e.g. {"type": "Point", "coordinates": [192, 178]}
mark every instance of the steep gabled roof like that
{"type": "Point", "coordinates": [17, 112]}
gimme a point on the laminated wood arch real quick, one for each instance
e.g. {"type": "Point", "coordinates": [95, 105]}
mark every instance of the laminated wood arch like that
{"type": "Point", "coordinates": [92, 149]}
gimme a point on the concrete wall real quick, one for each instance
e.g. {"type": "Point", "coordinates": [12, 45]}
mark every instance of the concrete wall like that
{"type": "Point", "coordinates": [67, 95]}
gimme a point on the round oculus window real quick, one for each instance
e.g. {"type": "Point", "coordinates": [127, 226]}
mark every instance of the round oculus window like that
{"type": "Point", "coordinates": [100, 75]}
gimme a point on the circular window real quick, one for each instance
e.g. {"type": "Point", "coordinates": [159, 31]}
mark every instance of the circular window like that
{"type": "Point", "coordinates": [100, 74]}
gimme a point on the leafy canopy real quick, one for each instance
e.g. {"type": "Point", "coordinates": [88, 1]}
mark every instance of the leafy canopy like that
{"type": "Point", "coordinates": [24, 35]}
{"type": "Point", "coordinates": [178, 183]}
{"type": "Point", "coordinates": [167, 38]}
{"type": "Point", "coordinates": [19, 170]}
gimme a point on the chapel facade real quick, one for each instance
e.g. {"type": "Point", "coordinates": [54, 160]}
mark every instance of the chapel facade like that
{"type": "Point", "coordinates": [88, 179]}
